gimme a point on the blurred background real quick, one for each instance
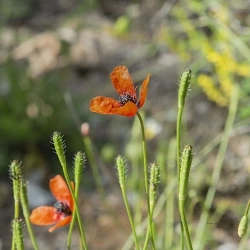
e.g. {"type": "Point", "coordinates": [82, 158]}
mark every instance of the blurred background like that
{"type": "Point", "coordinates": [55, 56]}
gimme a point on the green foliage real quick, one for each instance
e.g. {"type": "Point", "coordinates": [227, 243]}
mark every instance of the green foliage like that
{"type": "Point", "coordinates": [30, 109]}
{"type": "Point", "coordinates": [7, 10]}
{"type": "Point", "coordinates": [204, 34]}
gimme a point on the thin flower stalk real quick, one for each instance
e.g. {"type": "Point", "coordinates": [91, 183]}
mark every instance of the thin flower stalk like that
{"type": "Point", "coordinates": [217, 168]}
{"type": "Point", "coordinates": [16, 176]}
{"type": "Point", "coordinates": [157, 212]}
{"type": "Point", "coordinates": [59, 147]}
{"type": "Point", "coordinates": [169, 217]}
{"type": "Point", "coordinates": [184, 86]}
{"type": "Point", "coordinates": [25, 208]}
{"type": "Point", "coordinates": [121, 167]}
{"type": "Point", "coordinates": [78, 169]}
{"type": "Point", "coordinates": [134, 151]}
{"type": "Point", "coordinates": [186, 162]}
{"type": "Point", "coordinates": [183, 89]}
{"type": "Point", "coordinates": [145, 169]}
{"type": "Point", "coordinates": [128, 105]}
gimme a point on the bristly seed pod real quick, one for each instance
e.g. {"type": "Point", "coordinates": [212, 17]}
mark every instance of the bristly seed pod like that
{"type": "Point", "coordinates": [59, 145]}
{"type": "Point", "coordinates": [16, 170]}
{"type": "Point", "coordinates": [186, 162]}
{"type": "Point", "coordinates": [121, 166]}
{"type": "Point", "coordinates": [79, 160]}
{"type": "Point", "coordinates": [184, 86]}
{"type": "Point", "coordinates": [154, 180]}
{"type": "Point", "coordinates": [17, 228]}
{"type": "Point", "coordinates": [16, 174]}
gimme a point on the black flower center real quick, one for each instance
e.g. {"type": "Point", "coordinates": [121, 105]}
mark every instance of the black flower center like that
{"type": "Point", "coordinates": [124, 98]}
{"type": "Point", "coordinates": [63, 208]}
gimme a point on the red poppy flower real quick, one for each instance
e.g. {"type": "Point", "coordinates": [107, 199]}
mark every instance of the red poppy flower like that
{"type": "Point", "coordinates": [61, 213]}
{"type": "Point", "coordinates": [127, 104]}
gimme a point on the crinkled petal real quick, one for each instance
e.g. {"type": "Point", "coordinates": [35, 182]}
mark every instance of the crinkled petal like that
{"type": "Point", "coordinates": [103, 105]}
{"type": "Point", "coordinates": [122, 81]}
{"type": "Point", "coordinates": [60, 190]}
{"type": "Point", "coordinates": [144, 89]}
{"type": "Point", "coordinates": [45, 215]}
{"type": "Point", "coordinates": [62, 223]}
{"type": "Point", "coordinates": [129, 109]}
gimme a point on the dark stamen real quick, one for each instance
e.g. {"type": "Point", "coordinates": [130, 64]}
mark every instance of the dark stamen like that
{"type": "Point", "coordinates": [62, 208]}
{"type": "Point", "coordinates": [125, 98]}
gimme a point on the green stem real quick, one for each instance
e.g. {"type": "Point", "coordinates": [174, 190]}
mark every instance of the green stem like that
{"type": "Point", "coordinates": [96, 173]}
{"type": "Point", "coordinates": [130, 217]}
{"type": "Point", "coordinates": [16, 216]}
{"type": "Point", "coordinates": [169, 212]}
{"type": "Point", "coordinates": [185, 224]}
{"type": "Point", "coordinates": [186, 162]}
{"type": "Point", "coordinates": [184, 85]}
{"type": "Point", "coordinates": [16, 173]}
{"type": "Point", "coordinates": [178, 140]}
{"type": "Point", "coordinates": [145, 169]}
{"type": "Point", "coordinates": [147, 237]}
{"type": "Point", "coordinates": [144, 149]}
{"type": "Point", "coordinates": [247, 208]}
{"type": "Point", "coordinates": [25, 208]}
{"type": "Point", "coordinates": [73, 216]}
{"type": "Point", "coordinates": [218, 167]}
{"type": "Point", "coordinates": [158, 211]}
{"type": "Point", "coordinates": [178, 156]}
{"type": "Point", "coordinates": [76, 208]}
{"type": "Point", "coordinates": [59, 147]}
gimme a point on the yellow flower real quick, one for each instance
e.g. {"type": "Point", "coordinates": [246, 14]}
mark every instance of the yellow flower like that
{"type": "Point", "coordinates": [243, 69]}
{"type": "Point", "coordinates": [213, 93]}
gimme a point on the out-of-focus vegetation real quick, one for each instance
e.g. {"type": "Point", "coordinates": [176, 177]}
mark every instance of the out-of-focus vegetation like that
{"type": "Point", "coordinates": [57, 55]}
{"type": "Point", "coordinates": [50, 54]}
{"type": "Point", "coordinates": [34, 79]}
{"type": "Point", "coordinates": [213, 37]}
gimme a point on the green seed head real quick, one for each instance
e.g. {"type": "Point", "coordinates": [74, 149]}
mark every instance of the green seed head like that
{"type": "Point", "coordinates": [16, 170]}
{"type": "Point", "coordinates": [59, 145]}
{"type": "Point", "coordinates": [242, 228]}
{"type": "Point", "coordinates": [121, 166]}
{"type": "Point", "coordinates": [16, 174]}
{"type": "Point", "coordinates": [154, 180]}
{"type": "Point", "coordinates": [79, 161]}
{"type": "Point", "coordinates": [186, 162]}
{"type": "Point", "coordinates": [17, 228]}
{"type": "Point", "coordinates": [24, 198]}
{"type": "Point", "coordinates": [184, 86]}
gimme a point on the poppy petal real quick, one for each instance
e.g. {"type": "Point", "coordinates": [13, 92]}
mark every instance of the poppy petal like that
{"type": "Point", "coordinates": [44, 215]}
{"type": "Point", "coordinates": [129, 109]}
{"type": "Point", "coordinates": [62, 223]}
{"type": "Point", "coordinates": [122, 81]}
{"type": "Point", "coordinates": [103, 105]}
{"type": "Point", "coordinates": [60, 190]}
{"type": "Point", "coordinates": [144, 89]}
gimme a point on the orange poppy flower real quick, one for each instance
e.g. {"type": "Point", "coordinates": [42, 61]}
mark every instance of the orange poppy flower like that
{"type": "Point", "coordinates": [61, 213]}
{"type": "Point", "coordinates": [127, 104]}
